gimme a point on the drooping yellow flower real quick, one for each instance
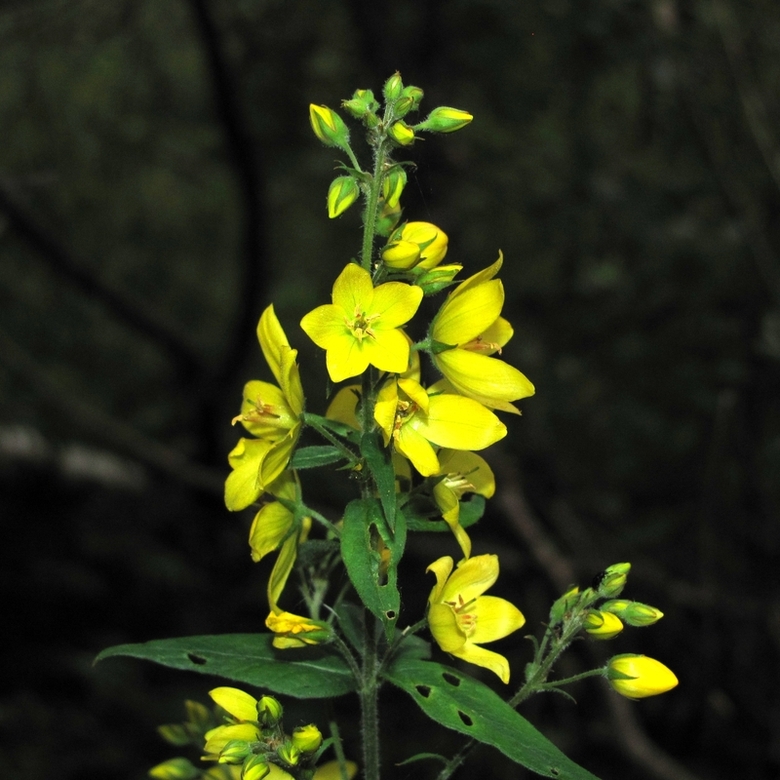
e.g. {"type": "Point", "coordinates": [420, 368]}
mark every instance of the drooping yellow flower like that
{"type": "Point", "coordinates": [274, 528]}
{"type": "Point", "coordinates": [416, 420]}
{"type": "Point", "coordinates": [470, 322]}
{"type": "Point", "coordinates": [361, 326]}
{"type": "Point", "coordinates": [462, 472]}
{"type": "Point", "coordinates": [637, 676]}
{"type": "Point", "coordinates": [461, 618]}
{"type": "Point", "coordinates": [270, 413]}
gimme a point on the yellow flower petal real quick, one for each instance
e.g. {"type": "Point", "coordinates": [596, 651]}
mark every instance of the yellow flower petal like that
{"type": "Point", "coordinates": [496, 618]}
{"type": "Point", "coordinates": [239, 704]}
{"type": "Point", "coordinates": [463, 317]}
{"type": "Point", "coordinates": [487, 659]}
{"type": "Point", "coordinates": [459, 423]}
{"type": "Point", "coordinates": [414, 445]}
{"type": "Point", "coordinates": [243, 486]}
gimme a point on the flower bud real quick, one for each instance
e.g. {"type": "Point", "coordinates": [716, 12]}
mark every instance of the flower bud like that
{"type": "Point", "coordinates": [234, 752]}
{"type": "Point", "coordinates": [255, 768]}
{"type": "Point", "coordinates": [602, 625]}
{"type": "Point", "coordinates": [402, 106]}
{"type": "Point", "coordinates": [174, 769]}
{"type": "Point", "coordinates": [328, 126]}
{"type": "Point", "coordinates": [198, 715]}
{"type": "Point", "coordinates": [563, 605]}
{"type": "Point", "coordinates": [269, 712]}
{"type": "Point", "coordinates": [388, 218]}
{"type": "Point", "coordinates": [393, 88]}
{"type": "Point", "coordinates": [638, 614]}
{"type": "Point", "coordinates": [307, 738]}
{"type": "Point", "coordinates": [174, 733]}
{"type": "Point", "coordinates": [415, 94]}
{"type": "Point", "coordinates": [393, 185]}
{"type": "Point", "coordinates": [360, 104]}
{"type": "Point", "coordinates": [289, 753]}
{"type": "Point", "coordinates": [445, 120]}
{"type": "Point", "coordinates": [401, 255]}
{"type": "Point", "coordinates": [432, 241]}
{"type": "Point", "coordinates": [610, 582]}
{"type": "Point", "coordinates": [296, 631]}
{"type": "Point", "coordinates": [637, 676]}
{"type": "Point", "coordinates": [342, 193]}
{"type": "Point", "coordinates": [401, 133]}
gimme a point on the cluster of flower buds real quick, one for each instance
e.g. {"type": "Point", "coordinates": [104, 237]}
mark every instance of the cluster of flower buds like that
{"type": "Point", "coordinates": [249, 743]}
{"type": "Point", "coordinates": [633, 676]}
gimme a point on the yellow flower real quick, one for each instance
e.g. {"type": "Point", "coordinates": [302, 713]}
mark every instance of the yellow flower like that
{"type": "Point", "coordinates": [637, 676]}
{"type": "Point", "coordinates": [361, 326]}
{"type": "Point", "coordinates": [470, 322]}
{"type": "Point", "coordinates": [327, 771]}
{"type": "Point", "coordinates": [296, 631]}
{"type": "Point", "coordinates": [270, 413]}
{"type": "Point", "coordinates": [416, 420]}
{"type": "Point", "coordinates": [461, 618]}
{"type": "Point", "coordinates": [273, 528]}
{"type": "Point", "coordinates": [242, 706]}
{"type": "Point", "coordinates": [416, 244]}
{"type": "Point", "coordinates": [462, 472]}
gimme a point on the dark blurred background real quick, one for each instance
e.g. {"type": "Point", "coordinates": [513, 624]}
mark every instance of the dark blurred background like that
{"type": "Point", "coordinates": [160, 185]}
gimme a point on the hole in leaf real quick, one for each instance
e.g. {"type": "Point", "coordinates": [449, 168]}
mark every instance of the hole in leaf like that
{"type": "Point", "coordinates": [390, 614]}
{"type": "Point", "coordinates": [554, 771]}
{"type": "Point", "coordinates": [198, 660]}
{"type": "Point", "coordinates": [465, 718]}
{"type": "Point", "coordinates": [451, 679]}
{"type": "Point", "coordinates": [423, 690]}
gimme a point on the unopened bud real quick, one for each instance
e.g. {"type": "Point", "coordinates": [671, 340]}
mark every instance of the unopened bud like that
{"type": "Point", "coordinates": [401, 133]}
{"type": "Point", "coordinates": [563, 605]}
{"type": "Point", "coordinates": [289, 754]}
{"type": "Point", "coordinates": [342, 193]}
{"type": "Point", "coordinates": [269, 712]}
{"type": "Point", "coordinates": [307, 738]}
{"type": "Point", "coordinates": [602, 625]}
{"type": "Point", "coordinates": [445, 120]}
{"type": "Point", "coordinates": [255, 768]}
{"type": "Point", "coordinates": [234, 752]}
{"type": "Point", "coordinates": [393, 185]}
{"type": "Point", "coordinates": [437, 279]}
{"type": "Point", "coordinates": [612, 580]}
{"type": "Point", "coordinates": [393, 88]}
{"type": "Point", "coordinates": [174, 769]}
{"type": "Point", "coordinates": [361, 103]}
{"type": "Point", "coordinates": [328, 126]}
{"type": "Point", "coordinates": [415, 94]}
{"type": "Point", "coordinates": [637, 676]}
{"type": "Point", "coordinates": [388, 218]}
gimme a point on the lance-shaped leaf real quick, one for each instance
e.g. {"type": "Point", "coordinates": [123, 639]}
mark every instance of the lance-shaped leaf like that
{"type": "Point", "coordinates": [371, 556]}
{"type": "Point", "coordinates": [381, 468]}
{"type": "Point", "coordinates": [315, 672]}
{"type": "Point", "coordinates": [466, 705]}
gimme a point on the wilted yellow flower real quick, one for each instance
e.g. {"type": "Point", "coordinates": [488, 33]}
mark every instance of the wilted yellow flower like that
{"type": "Point", "coordinates": [637, 676]}
{"type": "Point", "coordinates": [361, 326]}
{"type": "Point", "coordinates": [462, 472]}
{"type": "Point", "coordinates": [416, 420]}
{"type": "Point", "coordinates": [461, 618]}
{"type": "Point", "coordinates": [470, 322]}
{"type": "Point", "coordinates": [270, 413]}
{"type": "Point", "coordinates": [296, 631]}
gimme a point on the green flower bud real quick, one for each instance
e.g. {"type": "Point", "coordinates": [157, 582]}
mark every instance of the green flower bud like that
{"type": "Point", "coordinates": [328, 126]}
{"type": "Point", "coordinates": [618, 606]}
{"type": "Point", "coordinates": [445, 120]}
{"type": "Point", "coordinates": [393, 185]}
{"type": "Point", "coordinates": [255, 768]}
{"type": "Point", "coordinates": [393, 88]}
{"type": "Point", "coordinates": [388, 218]}
{"type": "Point", "coordinates": [234, 752]}
{"type": "Point", "coordinates": [289, 754]}
{"type": "Point", "coordinates": [174, 733]}
{"type": "Point", "coordinates": [269, 712]}
{"type": "Point", "coordinates": [415, 94]}
{"type": "Point", "coordinates": [401, 133]}
{"type": "Point", "coordinates": [602, 625]}
{"type": "Point", "coordinates": [637, 676]}
{"type": "Point", "coordinates": [563, 605]}
{"type": "Point", "coordinates": [342, 193]}
{"type": "Point", "coordinates": [610, 582]}
{"type": "Point", "coordinates": [402, 106]}
{"type": "Point", "coordinates": [199, 716]}
{"type": "Point", "coordinates": [360, 104]}
{"type": "Point", "coordinates": [639, 615]}
{"type": "Point", "coordinates": [174, 769]}
{"type": "Point", "coordinates": [307, 738]}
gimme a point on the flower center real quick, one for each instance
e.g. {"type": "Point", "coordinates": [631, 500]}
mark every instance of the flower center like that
{"type": "Point", "coordinates": [361, 324]}
{"type": "Point", "coordinates": [458, 483]}
{"type": "Point", "coordinates": [467, 621]}
{"type": "Point", "coordinates": [480, 345]}
{"type": "Point", "coordinates": [266, 414]}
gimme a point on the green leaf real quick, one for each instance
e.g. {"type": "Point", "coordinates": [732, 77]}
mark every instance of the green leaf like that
{"type": "Point", "coordinates": [340, 428]}
{"type": "Point", "coordinates": [423, 757]}
{"type": "Point", "coordinates": [381, 467]}
{"type": "Point", "coordinates": [412, 646]}
{"type": "Point", "coordinates": [466, 705]}
{"type": "Point", "coordinates": [314, 457]}
{"type": "Point", "coordinates": [352, 622]}
{"type": "Point", "coordinates": [309, 673]}
{"type": "Point", "coordinates": [364, 528]}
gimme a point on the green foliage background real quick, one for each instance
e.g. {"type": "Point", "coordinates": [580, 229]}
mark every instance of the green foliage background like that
{"type": "Point", "coordinates": [159, 185]}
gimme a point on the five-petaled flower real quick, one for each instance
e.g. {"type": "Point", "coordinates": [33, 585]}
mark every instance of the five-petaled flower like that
{"type": "Point", "coordinates": [461, 618]}
{"type": "Point", "coordinates": [469, 323]}
{"type": "Point", "coordinates": [270, 413]}
{"type": "Point", "coordinates": [362, 325]}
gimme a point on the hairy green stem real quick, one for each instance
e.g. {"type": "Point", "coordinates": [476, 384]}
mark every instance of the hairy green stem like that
{"type": "Point", "coordinates": [369, 710]}
{"type": "Point", "coordinates": [372, 205]}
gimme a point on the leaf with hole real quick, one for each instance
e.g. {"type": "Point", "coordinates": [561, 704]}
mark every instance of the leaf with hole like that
{"type": "Point", "coordinates": [466, 705]}
{"type": "Point", "coordinates": [312, 672]}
